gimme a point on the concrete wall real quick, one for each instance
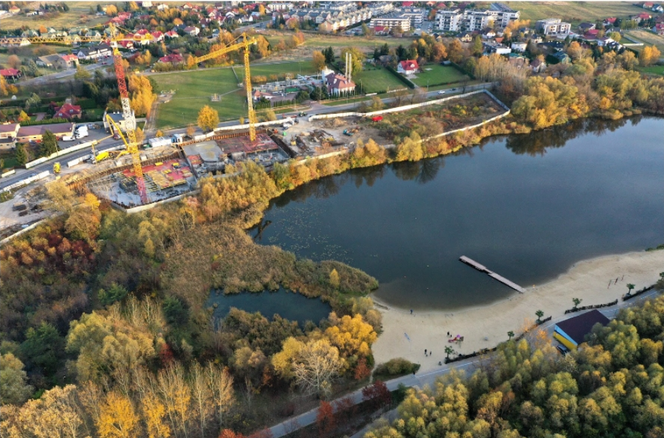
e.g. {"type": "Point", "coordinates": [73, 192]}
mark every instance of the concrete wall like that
{"type": "Point", "coordinates": [25, 182]}
{"type": "Point", "coordinates": [58, 154]}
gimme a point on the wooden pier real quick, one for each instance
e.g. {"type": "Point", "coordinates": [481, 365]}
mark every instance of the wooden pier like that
{"type": "Point", "coordinates": [491, 274]}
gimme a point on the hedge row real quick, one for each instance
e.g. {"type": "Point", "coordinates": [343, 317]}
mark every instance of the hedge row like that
{"type": "Point", "coordinates": [629, 296]}
{"type": "Point", "coordinates": [594, 306]}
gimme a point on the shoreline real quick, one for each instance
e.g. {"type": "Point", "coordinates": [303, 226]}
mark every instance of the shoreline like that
{"type": "Point", "coordinates": [485, 326]}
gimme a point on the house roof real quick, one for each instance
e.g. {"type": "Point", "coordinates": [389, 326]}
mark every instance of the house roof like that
{"type": "Point", "coordinates": [10, 72]}
{"type": "Point", "coordinates": [70, 57]}
{"type": "Point", "coordinates": [338, 81]}
{"type": "Point", "coordinates": [57, 128]}
{"type": "Point", "coordinates": [68, 110]}
{"type": "Point", "coordinates": [410, 64]}
{"type": "Point", "coordinates": [11, 127]}
{"type": "Point", "coordinates": [579, 326]}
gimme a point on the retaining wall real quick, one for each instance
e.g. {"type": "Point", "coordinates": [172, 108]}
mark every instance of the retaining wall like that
{"type": "Point", "coordinates": [25, 182]}
{"type": "Point", "coordinates": [60, 153]}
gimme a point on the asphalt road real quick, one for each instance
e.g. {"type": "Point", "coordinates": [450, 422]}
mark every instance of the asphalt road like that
{"type": "Point", "coordinates": [110, 143]}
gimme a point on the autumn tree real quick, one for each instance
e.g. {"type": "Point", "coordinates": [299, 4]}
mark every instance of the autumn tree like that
{"type": "Point", "coordinates": [318, 60]}
{"type": "Point", "coordinates": [455, 51]}
{"type": "Point", "coordinates": [13, 386]}
{"type": "Point", "coordinates": [81, 73]}
{"type": "Point", "coordinates": [649, 55]}
{"type": "Point", "coordinates": [220, 382]}
{"type": "Point", "coordinates": [325, 419]}
{"type": "Point", "coordinates": [351, 335]}
{"type": "Point", "coordinates": [141, 94]}
{"type": "Point", "coordinates": [208, 118]}
{"type": "Point", "coordinates": [357, 58]}
{"type": "Point", "coordinates": [117, 418]}
{"type": "Point", "coordinates": [111, 10]}
{"type": "Point", "coordinates": [334, 279]}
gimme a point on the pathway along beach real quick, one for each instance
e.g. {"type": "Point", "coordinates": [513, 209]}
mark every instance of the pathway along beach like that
{"type": "Point", "coordinates": [405, 335]}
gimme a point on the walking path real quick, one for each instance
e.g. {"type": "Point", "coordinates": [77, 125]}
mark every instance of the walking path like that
{"type": "Point", "coordinates": [420, 380]}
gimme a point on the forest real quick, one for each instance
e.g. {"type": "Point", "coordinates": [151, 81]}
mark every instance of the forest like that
{"type": "Point", "coordinates": [611, 386]}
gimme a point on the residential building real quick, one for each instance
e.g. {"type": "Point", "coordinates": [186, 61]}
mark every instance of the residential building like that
{"type": "Point", "coordinates": [94, 53]}
{"type": "Point", "coordinates": [68, 111]}
{"type": "Point", "coordinates": [11, 74]}
{"type": "Point", "coordinates": [494, 47]}
{"type": "Point", "coordinates": [35, 133]}
{"type": "Point", "coordinates": [537, 65]}
{"type": "Point", "coordinates": [586, 26]}
{"type": "Point", "coordinates": [453, 20]}
{"type": "Point", "coordinates": [14, 10]}
{"type": "Point", "coordinates": [392, 20]}
{"type": "Point", "coordinates": [449, 20]}
{"type": "Point", "coordinates": [519, 46]}
{"type": "Point", "coordinates": [553, 27]}
{"type": "Point", "coordinates": [416, 15]}
{"type": "Point", "coordinates": [70, 60]}
{"type": "Point", "coordinates": [117, 118]}
{"type": "Point", "coordinates": [658, 29]}
{"type": "Point", "coordinates": [338, 85]}
{"type": "Point", "coordinates": [52, 61]}
{"type": "Point", "coordinates": [174, 58]}
{"type": "Point", "coordinates": [572, 332]}
{"type": "Point", "coordinates": [408, 67]}
{"type": "Point", "coordinates": [9, 131]}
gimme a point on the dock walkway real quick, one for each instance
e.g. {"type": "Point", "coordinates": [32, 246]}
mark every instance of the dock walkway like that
{"type": "Point", "coordinates": [491, 274]}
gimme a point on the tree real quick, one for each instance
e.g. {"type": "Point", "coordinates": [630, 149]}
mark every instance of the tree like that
{"type": "Point", "coordinates": [117, 417]}
{"type": "Point", "coordinates": [23, 117]}
{"type": "Point", "coordinates": [630, 286]}
{"type": "Point", "coordinates": [221, 384]}
{"type": "Point", "coordinates": [325, 419]}
{"type": "Point", "coordinates": [510, 335]}
{"type": "Point", "coordinates": [439, 52]}
{"type": "Point", "coordinates": [208, 118]}
{"type": "Point", "coordinates": [4, 89]}
{"type": "Point", "coordinates": [49, 144]}
{"type": "Point", "coordinates": [615, 36]}
{"type": "Point", "coordinates": [448, 350]}
{"type": "Point", "coordinates": [539, 315]}
{"type": "Point", "coordinates": [377, 395]}
{"type": "Point", "coordinates": [21, 155]}
{"type": "Point", "coordinates": [318, 60]}
{"type": "Point", "coordinates": [357, 58]}
{"type": "Point", "coordinates": [362, 371]}
{"type": "Point", "coordinates": [334, 279]}
{"type": "Point", "coordinates": [316, 366]}
{"type": "Point", "coordinates": [82, 74]}
{"type": "Point", "coordinates": [43, 348]}
{"type": "Point", "coordinates": [576, 302]}
{"type": "Point", "coordinates": [352, 336]}
{"type": "Point", "coordinates": [329, 55]}
{"type": "Point", "coordinates": [13, 386]}
{"type": "Point", "coordinates": [648, 55]}
{"type": "Point", "coordinates": [478, 48]}
{"type": "Point", "coordinates": [455, 51]}
{"type": "Point", "coordinates": [191, 130]}
{"type": "Point", "coordinates": [111, 10]}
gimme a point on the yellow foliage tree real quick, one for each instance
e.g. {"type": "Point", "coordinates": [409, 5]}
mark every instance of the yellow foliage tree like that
{"type": "Point", "coordinates": [649, 55]}
{"type": "Point", "coordinates": [334, 279]}
{"type": "Point", "coordinates": [318, 60]}
{"type": "Point", "coordinates": [352, 336]}
{"type": "Point", "coordinates": [117, 418]}
{"type": "Point", "coordinates": [154, 413]}
{"type": "Point", "coordinates": [208, 118]}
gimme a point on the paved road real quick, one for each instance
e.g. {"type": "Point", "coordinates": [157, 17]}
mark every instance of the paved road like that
{"type": "Point", "coordinates": [315, 109]}
{"type": "Point", "coordinates": [419, 380]}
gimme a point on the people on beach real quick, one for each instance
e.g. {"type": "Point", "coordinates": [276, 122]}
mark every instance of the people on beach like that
{"type": "Point", "coordinates": [411, 311]}
{"type": "Point", "coordinates": [425, 351]}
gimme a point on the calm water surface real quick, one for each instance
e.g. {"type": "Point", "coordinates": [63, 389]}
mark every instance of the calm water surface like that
{"type": "Point", "coordinates": [527, 207]}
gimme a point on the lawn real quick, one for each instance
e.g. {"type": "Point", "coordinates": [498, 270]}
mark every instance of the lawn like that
{"type": "Point", "coordinates": [304, 67]}
{"type": "Point", "coordinates": [377, 80]}
{"type": "Point", "coordinates": [324, 41]}
{"type": "Point", "coordinates": [78, 15]}
{"type": "Point", "coordinates": [193, 90]}
{"type": "Point", "coordinates": [436, 74]}
{"type": "Point", "coordinates": [647, 37]}
{"type": "Point", "coordinates": [653, 69]}
{"type": "Point", "coordinates": [574, 12]}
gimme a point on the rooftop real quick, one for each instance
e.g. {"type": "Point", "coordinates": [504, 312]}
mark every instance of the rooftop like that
{"type": "Point", "coordinates": [579, 326]}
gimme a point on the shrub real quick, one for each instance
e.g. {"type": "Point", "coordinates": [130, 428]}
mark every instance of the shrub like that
{"type": "Point", "coordinates": [396, 367]}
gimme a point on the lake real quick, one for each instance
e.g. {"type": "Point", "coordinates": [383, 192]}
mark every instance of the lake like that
{"type": "Point", "coordinates": [525, 206]}
{"type": "Point", "coordinates": [289, 305]}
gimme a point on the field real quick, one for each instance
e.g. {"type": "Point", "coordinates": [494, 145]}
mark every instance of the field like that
{"type": "Point", "coordinates": [647, 37]}
{"type": "Point", "coordinates": [574, 12]}
{"type": "Point", "coordinates": [78, 15]}
{"type": "Point", "coordinates": [193, 90]}
{"type": "Point", "coordinates": [653, 69]}
{"type": "Point", "coordinates": [377, 80]}
{"type": "Point", "coordinates": [435, 74]}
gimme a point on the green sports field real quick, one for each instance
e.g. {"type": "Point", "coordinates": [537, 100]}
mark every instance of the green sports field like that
{"type": "Point", "coordinates": [574, 12]}
{"type": "Point", "coordinates": [435, 74]}
{"type": "Point", "coordinates": [193, 90]}
{"type": "Point", "coordinates": [377, 80]}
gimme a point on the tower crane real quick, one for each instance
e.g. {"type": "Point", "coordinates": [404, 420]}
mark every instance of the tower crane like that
{"type": "Point", "coordinates": [129, 119]}
{"type": "Point", "coordinates": [244, 44]}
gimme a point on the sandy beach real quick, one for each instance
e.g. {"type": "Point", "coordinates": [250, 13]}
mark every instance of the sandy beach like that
{"type": "Point", "coordinates": [406, 335]}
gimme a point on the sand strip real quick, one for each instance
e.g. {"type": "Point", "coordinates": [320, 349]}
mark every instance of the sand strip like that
{"type": "Point", "coordinates": [406, 335]}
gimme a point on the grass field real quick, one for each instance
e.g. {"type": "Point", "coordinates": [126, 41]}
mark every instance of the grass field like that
{"type": "Point", "coordinates": [647, 37]}
{"type": "Point", "coordinates": [304, 67]}
{"type": "Point", "coordinates": [193, 90]}
{"type": "Point", "coordinates": [78, 15]}
{"type": "Point", "coordinates": [574, 12]}
{"type": "Point", "coordinates": [324, 41]}
{"type": "Point", "coordinates": [377, 80]}
{"type": "Point", "coordinates": [653, 69]}
{"type": "Point", "coordinates": [435, 74]}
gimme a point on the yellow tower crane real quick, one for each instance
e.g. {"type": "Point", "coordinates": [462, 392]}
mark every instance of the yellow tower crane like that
{"type": "Point", "coordinates": [244, 44]}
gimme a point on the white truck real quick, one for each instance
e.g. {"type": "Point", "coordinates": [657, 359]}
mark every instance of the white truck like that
{"type": "Point", "coordinates": [81, 131]}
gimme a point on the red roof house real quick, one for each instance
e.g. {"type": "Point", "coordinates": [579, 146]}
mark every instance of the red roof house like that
{"type": "Point", "coordinates": [68, 111]}
{"type": "Point", "coordinates": [408, 67]}
{"type": "Point", "coordinates": [11, 73]}
{"type": "Point", "coordinates": [174, 58]}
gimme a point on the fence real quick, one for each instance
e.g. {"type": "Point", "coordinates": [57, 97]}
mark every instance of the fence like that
{"type": "Point", "coordinates": [25, 182]}
{"type": "Point", "coordinates": [60, 153]}
{"type": "Point", "coordinates": [594, 306]}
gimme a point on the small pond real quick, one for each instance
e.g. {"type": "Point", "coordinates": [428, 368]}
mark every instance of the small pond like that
{"type": "Point", "coordinates": [287, 304]}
